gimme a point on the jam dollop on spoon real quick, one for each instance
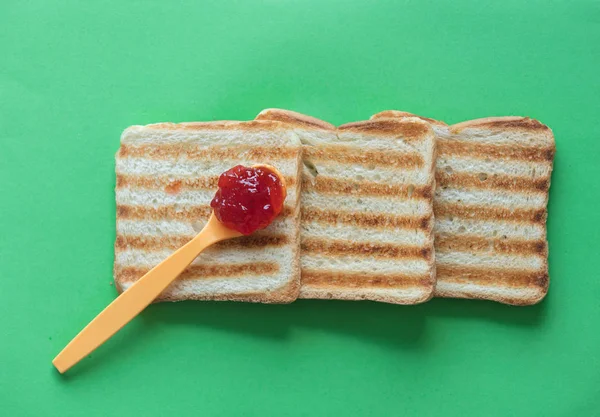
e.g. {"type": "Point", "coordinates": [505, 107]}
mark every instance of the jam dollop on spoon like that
{"type": "Point", "coordinates": [249, 198]}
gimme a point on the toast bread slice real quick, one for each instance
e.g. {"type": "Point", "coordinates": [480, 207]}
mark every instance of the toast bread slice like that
{"type": "Point", "coordinates": [367, 208]}
{"type": "Point", "coordinates": [166, 177]}
{"type": "Point", "coordinates": [493, 180]}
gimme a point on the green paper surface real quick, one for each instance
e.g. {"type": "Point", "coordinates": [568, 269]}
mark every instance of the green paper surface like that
{"type": "Point", "coordinates": [74, 74]}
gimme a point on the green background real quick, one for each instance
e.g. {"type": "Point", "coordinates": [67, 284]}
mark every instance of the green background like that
{"type": "Point", "coordinates": [74, 74]}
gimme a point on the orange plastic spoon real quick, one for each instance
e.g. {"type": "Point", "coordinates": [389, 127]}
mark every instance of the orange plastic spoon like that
{"type": "Point", "coordinates": [131, 302]}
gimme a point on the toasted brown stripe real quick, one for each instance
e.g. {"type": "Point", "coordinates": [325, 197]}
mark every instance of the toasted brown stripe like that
{"type": "Point", "coordinates": [376, 250]}
{"type": "Point", "coordinates": [492, 181]}
{"type": "Point", "coordinates": [190, 151]}
{"type": "Point", "coordinates": [366, 219]}
{"type": "Point", "coordinates": [150, 243]}
{"type": "Point", "coordinates": [485, 150]}
{"type": "Point", "coordinates": [171, 212]}
{"type": "Point", "coordinates": [328, 185]}
{"type": "Point", "coordinates": [488, 213]}
{"type": "Point", "coordinates": [408, 129]}
{"type": "Point", "coordinates": [497, 277]}
{"type": "Point", "coordinates": [363, 281]}
{"type": "Point", "coordinates": [175, 185]}
{"type": "Point", "coordinates": [129, 274]}
{"type": "Point", "coordinates": [346, 155]}
{"type": "Point", "coordinates": [466, 243]}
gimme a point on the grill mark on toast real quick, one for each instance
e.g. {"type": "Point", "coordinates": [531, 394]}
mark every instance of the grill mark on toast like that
{"type": "Point", "coordinates": [176, 184]}
{"type": "Point", "coordinates": [329, 185]}
{"type": "Point", "coordinates": [172, 212]}
{"type": "Point", "coordinates": [488, 213]}
{"type": "Point", "coordinates": [361, 280]}
{"type": "Point", "coordinates": [152, 243]}
{"type": "Point", "coordinates": [377, 250]}
{"type": "Point", "coordinates": [470, 243]}
{"type": "Point", "coordinates": [192, 152]}
{"type": "Point", "coordinates": [494, 277]}
{"type": "Point", "coordinates": [410, 130]}
{"type": "Point", "coordinates": [366, 219]}
{"type": "Point", "coordinates": [492, 181]}
{"type": "Point", "coordinates": [491, 151]}
{"type": "Point", "coordinates": [129, 274]}
{"type": "Point", "coordinates": [348, 155]}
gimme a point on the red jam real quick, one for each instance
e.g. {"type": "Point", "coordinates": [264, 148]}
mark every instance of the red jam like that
{"type": "Point", "coordinates": [248, 199]}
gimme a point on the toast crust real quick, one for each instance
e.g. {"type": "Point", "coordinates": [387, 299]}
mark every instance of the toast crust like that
{"type": "Point", "coordinates": [252, 125]}
{"type": "Point", "coordinates": [294, 118]}
{"type": "Point", "coordinates": [392, 114]}
{"type": "Point", "coordinates": [536, 296]}
{"type": "Point", "coordinates": [502, 123]}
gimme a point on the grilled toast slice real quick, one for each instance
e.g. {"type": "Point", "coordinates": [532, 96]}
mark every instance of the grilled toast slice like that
{"type": "Point", "coordinates": [493, 179]}
{"type": "Point", "coordinates": [166, 177]}
{"type": "Point", "coordinates": [367, 213]}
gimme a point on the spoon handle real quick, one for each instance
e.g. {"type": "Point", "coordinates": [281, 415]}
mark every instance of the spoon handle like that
{"type": "Point", "coordinates": [131, 302]}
